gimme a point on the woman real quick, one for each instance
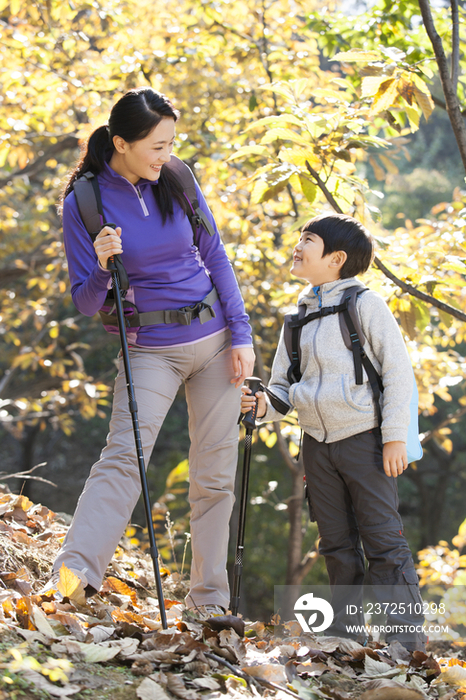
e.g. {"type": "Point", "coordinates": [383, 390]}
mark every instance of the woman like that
{"type": "Point", "coordinates": [165, 271]}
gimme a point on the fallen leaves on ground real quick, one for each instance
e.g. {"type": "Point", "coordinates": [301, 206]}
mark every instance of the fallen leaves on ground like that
{"type": "Point", "coordinates": [53, 641]}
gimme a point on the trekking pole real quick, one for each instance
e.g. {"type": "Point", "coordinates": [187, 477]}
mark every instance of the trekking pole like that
{"type": "Point", "coordinates": [249, 422]}
{"type": "Point", "coordinates": [133, 409]}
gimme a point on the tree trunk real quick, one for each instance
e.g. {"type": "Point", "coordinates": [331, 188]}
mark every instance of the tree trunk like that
{"type": "Point", "coordinates": [27, 457]}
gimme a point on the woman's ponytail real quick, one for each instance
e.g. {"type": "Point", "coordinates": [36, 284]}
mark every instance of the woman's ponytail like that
{"type": "Point", "coordinates": [93, 157]}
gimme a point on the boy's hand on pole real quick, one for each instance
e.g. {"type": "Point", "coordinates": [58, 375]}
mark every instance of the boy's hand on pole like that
{"type": "Point", "coordinates": [395, 458]}
{"type": "Point", "coordinates": [243, 364]}
{"type": "Point", "coordinates": [108, 243]}
{"type": "Point", "coordinates": [248, 402]}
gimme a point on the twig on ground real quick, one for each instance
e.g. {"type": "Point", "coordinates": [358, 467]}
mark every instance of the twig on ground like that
{"type": "Point", "coordinates": [24, 475]}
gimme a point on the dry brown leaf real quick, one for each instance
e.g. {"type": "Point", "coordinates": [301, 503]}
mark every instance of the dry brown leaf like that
{"type": "Point", "coordinates": [293, 627]}
{"type": "Point", "coordinates": [66, 646]}
{"type": "Point", "coordinates": [150, 690]}
{"type": "Point", "coordinates": [152, 624]}
{"type": "Point", "coordinates": [392, 693]}
{"type": "Point", "coordinates": [349, 646]}
{"type": "Point", "coordinates": [200, 668]}
{"type": "Point", "coordinates": [328, 644]}
{"type": "Point", "coordinates": [304, 651]}
{"type": "Point", "coordinates": [41, 622]}
{"type": "Point", "coordinates": [224, 622]}
{"type": "Point", "coordinates": [312, 668]}
{"type": "Point", "coordinates": [206, 683]}
{"type": "Point", "coordinates": [158, 656]}
{"type": "Point", "coordinates": [99, 633]}
{"type": "Point", "coordinates": [228, 639]}
{"type": "Point", "coordinates": [269, 672]}
{"type": "Point", "coordinates": [142, 667]}
{"type": "Point", "coordinates": [21, 537]}
{"type": "Point", "coordinates": [71, 623]}
{"type": "Point", "coordinates": [176, 686]}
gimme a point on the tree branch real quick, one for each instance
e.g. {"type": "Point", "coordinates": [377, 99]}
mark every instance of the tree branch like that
{"type": "Point", "coordinates": [455, 43]}
{"type": "Point", "coordinates": [11, 273]}
{"type": "Point", "coordinates": [451, 99]}
{"type": "Point", "coordinates": [291, 463]}
{"type": "Point", "coordinates": [25, 475]}
{"type": "Point", "coordinates": [408, 288]}
{"type": "Point", "coordinates": [442, 105]}
{"type": "Point", "coordinates": [68, 142]}
{"type": "Point", "coordinates": [451, 418]}
{"type": "Point", "coordinates": [308, 562]}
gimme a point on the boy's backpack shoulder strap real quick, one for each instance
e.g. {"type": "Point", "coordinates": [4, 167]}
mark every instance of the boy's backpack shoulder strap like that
{"type": "Point", "coordinates": [354, 340]}
{"type": "Point", "coordinates": [350, 296]}
{"type": "Point", "coordinates": [292, 338]}
{"type": "Point", "coordinates": [186, 178]}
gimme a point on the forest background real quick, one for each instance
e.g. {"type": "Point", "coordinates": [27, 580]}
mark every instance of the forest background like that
{"type": "Point", "coordinates": [289, 108]}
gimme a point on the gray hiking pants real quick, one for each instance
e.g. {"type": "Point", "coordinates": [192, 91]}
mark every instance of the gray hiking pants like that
{"type": "Point", "coordinates": [113, 487]}
{"type": "Point", "coordinates": [353, 500]}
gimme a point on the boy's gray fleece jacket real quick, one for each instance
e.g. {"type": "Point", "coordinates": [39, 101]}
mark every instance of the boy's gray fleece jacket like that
{"type": "Point", "coordinates": [330, 405]}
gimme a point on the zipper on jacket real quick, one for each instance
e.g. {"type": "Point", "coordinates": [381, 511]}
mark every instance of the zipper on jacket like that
{"type": "Point", "coordinates": [320, 379]}
{"type": "Point", "coordinates": [141, 201]}
{"type": "Point", "coordinates": [318, 294]}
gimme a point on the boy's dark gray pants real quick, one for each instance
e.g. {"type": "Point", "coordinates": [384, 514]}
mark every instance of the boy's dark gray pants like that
{"type": "Point", "coordinates": [353, 500]}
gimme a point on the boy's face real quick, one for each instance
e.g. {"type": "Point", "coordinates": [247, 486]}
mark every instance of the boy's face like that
{"type": "Point", "coordinates": [309, 262]}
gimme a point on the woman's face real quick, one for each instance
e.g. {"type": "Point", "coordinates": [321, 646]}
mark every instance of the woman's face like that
{"type": "Point", "coordinates": [144, 158]}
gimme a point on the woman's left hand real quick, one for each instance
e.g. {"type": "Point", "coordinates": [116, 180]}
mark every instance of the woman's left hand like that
{"type": "Point", "coordinates": [243, 364]}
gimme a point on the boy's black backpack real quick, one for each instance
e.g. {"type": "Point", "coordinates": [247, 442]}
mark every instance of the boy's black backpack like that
{"type": "Point", "coordinates": [354, 340]}
{"type": "Point", "coordinates": [87, 193]}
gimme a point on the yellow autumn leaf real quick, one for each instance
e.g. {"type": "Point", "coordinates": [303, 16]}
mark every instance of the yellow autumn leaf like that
{"type": "Point", "coordinates": [23, 503]}
{"type": "Point", "coordinates": [122, 588]}
{"type": "Point", "coordinates": [453, 675]}
{"type": "Point", "coordinates": [424, 101]}
{"type": "Point", "coordinates": [385, 97]}
{"type": "Point", "coordinates": [69, 584]}
{"type": "Point", "coordinates": [379, 172]}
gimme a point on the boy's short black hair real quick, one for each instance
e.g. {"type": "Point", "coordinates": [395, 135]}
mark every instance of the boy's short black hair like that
{"type": "Point", "coordinates": [341, 232]}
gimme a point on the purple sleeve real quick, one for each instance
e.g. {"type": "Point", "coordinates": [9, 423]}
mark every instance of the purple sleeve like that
{"type": "Point", "coordinates": [216, 260]}
{"type": "Point", "coordinates": [88, 280]}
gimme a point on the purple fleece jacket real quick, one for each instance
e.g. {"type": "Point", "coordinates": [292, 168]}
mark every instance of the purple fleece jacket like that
{"type": "Point", "coordinates": [165, 269]}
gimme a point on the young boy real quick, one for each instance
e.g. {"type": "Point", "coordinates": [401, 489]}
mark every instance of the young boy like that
{"type": "Point", "coordinates": [350, 463]}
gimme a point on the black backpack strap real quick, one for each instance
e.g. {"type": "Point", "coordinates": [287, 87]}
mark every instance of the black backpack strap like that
{"type": "Point", "coordinates": [354, 339]}
{"type": "Point", "coordinates": [87, 192]}
{"type": "Point", "coordinates": [186, 178]}
{"type": "Point", "coordinates": [276, 402]}
{"type": "Point", "coordinates": [292, 337]}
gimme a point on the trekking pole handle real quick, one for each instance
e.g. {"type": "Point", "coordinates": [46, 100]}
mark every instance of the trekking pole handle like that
{"type": "Point", "coordinates": [111, 261]}
{"type": "Point", "coordinates": [249, 420]}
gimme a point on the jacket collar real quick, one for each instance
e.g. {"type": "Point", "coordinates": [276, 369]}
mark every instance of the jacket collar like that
{"type": "Point", "coordinates": [327, 294]}
{"type": "Point", "coordinates": [113, 179]}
